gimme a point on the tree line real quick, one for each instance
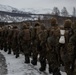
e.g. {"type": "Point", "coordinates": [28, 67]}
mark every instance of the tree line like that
{"type": "Point", "coordinates": [64, 12]}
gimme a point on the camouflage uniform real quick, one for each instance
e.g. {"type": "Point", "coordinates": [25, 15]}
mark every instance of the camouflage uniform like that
{"type": "Point", "coordinates": [42, 36]}
{"type": "Point", "coordinates": [63, 48]}
{"type": "Point", "coordinates": [1, 45]}
{"type": "Point", "coordinates": [25, 43]}
{"type": "Point", "coordinates": [5, 35]}
{"type": "Point", "coordinates": [2, 38]}
{"type": "Point", "coordinates": [72, 41]}
{"type": "Point", "coordinates": [52, 41]}
{"type": "Point", "coordinates": [35, 43]}
{"type": "Point", "coordinates": [15, 48]}
{"type": "Point", "coordinates": [9, 39]}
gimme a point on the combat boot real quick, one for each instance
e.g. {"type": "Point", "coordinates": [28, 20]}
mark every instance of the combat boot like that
{"type": "Point", "coordinates": [27, 59]}
{"type": "Point", "coordinates": [5, 49]}
{"type": "Point", "coordinates": [1, 47]}
{"type": "Point", "coordinates": [50, 70]}
{"type": "Point", "coordinates": [43, 65]}
{"type": "Point", "coordinates": [56, 72]}
{"type": "Point", "coordinates": [17, 55]}
{"type": "Point", "coordinates": [9, 51]}
{"type": "Point", "coordinates": [34, 61]}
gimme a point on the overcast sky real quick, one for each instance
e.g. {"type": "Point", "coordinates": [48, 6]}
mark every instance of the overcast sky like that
{"type": "Point", "coordinates": [69, 4]}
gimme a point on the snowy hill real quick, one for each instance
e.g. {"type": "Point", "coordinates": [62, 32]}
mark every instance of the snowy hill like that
{"type": "Point", "coordinates": [24, 10]}
{"type": "Point", "coordinates": [6, 8]}
{"type": "Point", "coordinates": [37, 11]}
{"type": "Point", "coordinates": [8, 13]}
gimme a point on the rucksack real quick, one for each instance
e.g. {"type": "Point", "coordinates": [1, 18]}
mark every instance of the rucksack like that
{"type": "Point", "coordinates": [26, 35]}
{"type": "Point", "coordinates": [65, 35]}
{"type": "Point", "coordinates": [62, 37]}
{"type": "Point", "coordinates": [43, 35]}
{"type": "Point", "coordinates": [53, 37]}
{"type": "Point", "coordinates": [15, 33]}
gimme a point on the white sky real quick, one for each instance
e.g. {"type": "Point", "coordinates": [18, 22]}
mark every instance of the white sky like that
{"type": "Point", "coordinates": [69, 4]}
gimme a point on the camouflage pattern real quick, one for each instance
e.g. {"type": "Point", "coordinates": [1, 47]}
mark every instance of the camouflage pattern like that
{"type": "Point", "coordinates": [52, 42]}
{"type": "Point", "coordinates": [1, 38]}
{"type": "Point", "coordinates": [42, 41]}
{"type": "Point", "coordinates": [42, 36]}
{"type": "Point", "coordinates": [4, 35]}
{"type": "Point", "coordinates": [35, 43]}
{"type": "Point", "coordinates": [9, 39]}
{"type": "Point", "coordinates": [63, 48]}
{"type": "Point", "coordinates": [15, 48]}
{"type": "Point", "coordinates": [72, 42]}
{"type": "Point", "coordinates": [25, 44]}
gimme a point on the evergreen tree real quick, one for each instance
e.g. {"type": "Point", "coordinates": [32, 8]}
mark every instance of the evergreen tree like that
{"type": "Point", "coordinates": [64, 12]}
{"type": "Point", "coordinates": [56, 11]}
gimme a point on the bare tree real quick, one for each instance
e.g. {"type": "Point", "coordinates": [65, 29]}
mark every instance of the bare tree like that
{"type": "Point", "coordinates": [56, 11]}
{"type": "Point", "coordinates": [74, 11]}
{"type": "Point", "coordinates": [64, 12]}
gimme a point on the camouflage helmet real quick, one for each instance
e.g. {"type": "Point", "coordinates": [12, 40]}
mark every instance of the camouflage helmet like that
{"type": "Point", "coordinates": [37, 24]}
{"type": "Point", "coordinates": [42, 26]}
{"type": "Point", "coordinates": [53, 21]}
{"type": "Point", "coordinates": [67, 23]}
{"type": "Point", "coordinates": [24, 26]}
{"type": "Point", "coordinates": [28, 24]}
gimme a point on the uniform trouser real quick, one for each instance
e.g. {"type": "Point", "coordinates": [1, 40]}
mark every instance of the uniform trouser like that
{"type": "Point", "coordinates": [34, 54]}
{"type": "Point", "coordinates": [73, 61]}
{"type": "Point", "coordinates": [5, 46]}
{"type": "Point", "coordinates": [42, 60]}
{"type": "Point", "coordinates": [52, 60]}
{"type": "Point", "coordinates": [15, 47]}
{"type": "Point", "coordinates": [42, 57]}
{"type": "Point", "coordinates": [59, 48]}
{"type": "Point", "coordinates": [64, 58]}
{"type": "Point", "coordinates": [9, 47]}
{"type": "Point", "coordinates": [26, 50]}
{"type": "Point", "coordinates": [35, 49]}
{"type": "Point", "coordinates": [1, 44]}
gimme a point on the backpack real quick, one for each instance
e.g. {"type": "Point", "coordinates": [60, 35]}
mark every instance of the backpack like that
{"type": "Point", "coordinates": [26, 35]}
{"type": "Point", "coordinates": [38, 30]}
{"type": "Point", "coordinates": [43, 35]}
{"type": "Point", "coordinates": [62, 37]}
{"type": "Point", "coordinates": [15, 32]}
{"type": "Point", "coordinates": [65, 35]}
{"type": "Point", "coordinates": [53, 36]}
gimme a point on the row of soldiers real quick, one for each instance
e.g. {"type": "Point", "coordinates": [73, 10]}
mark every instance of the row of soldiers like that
{"type": "Point", "coordinates": [45, 42]}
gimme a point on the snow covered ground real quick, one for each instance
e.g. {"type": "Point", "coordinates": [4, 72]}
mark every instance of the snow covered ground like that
{"type": "Point", "coordinates": [18, 67]}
